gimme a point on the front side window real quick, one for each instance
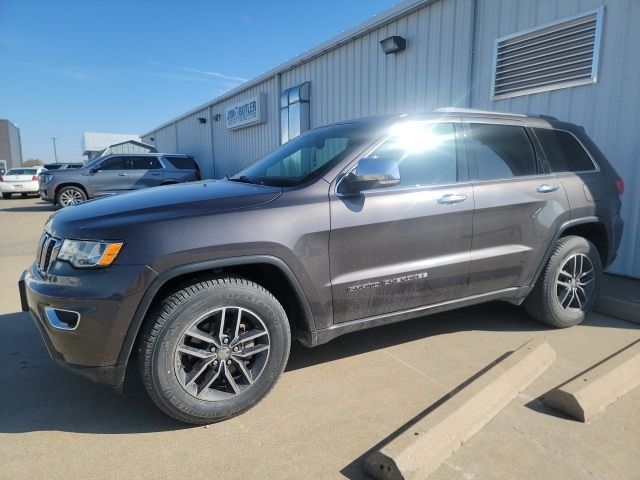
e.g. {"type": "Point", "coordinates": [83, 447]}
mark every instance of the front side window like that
{"type": "Point", "coordinates": [501, 151]}
{"type": "Point", "coordinates": [115, 163]}
{"type": "Point", "coordinates": [563, 151]}
{"type": "Point", "coordinates": [308, 156]}
{"type": "Point", "coordinates": [425, 153]}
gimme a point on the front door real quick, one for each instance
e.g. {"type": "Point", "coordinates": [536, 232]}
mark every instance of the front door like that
{"type": "Point", "coordinates": [112, 176]}
{"type": "Point", "coordinates": [401, 247]}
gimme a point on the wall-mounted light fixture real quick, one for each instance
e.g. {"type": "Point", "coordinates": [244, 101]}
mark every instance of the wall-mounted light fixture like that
{"type": "Point", "coordinates": [202, 120]}
{"type": "Point", "coordinates": [152, 139]}
{"type": "Point", "coordinates": [393, 44]}
{"type": "Point", "coordinates": [216, 117]}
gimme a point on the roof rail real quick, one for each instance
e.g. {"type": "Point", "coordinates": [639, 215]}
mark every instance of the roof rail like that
{"type": "Point", "coordinates": [473, 110]}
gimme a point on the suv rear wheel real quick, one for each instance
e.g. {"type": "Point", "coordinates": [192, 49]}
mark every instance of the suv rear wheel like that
{"type": "Point", "coordinates": [70, 196]}
{"type": "Point", "coordinates": [569, 285]}
{"type": "Point", "coordinates": [214, 349]}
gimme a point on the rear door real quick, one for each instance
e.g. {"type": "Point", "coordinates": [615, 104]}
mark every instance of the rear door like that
{"type": "Point", "coordinates": [518, 205]}
{"type": "Point", "coordinates": [112, 176]}
{"type": "Point", "coordinates": [397, 248]}
{"type": "Point", "coordinates": [146, 171]}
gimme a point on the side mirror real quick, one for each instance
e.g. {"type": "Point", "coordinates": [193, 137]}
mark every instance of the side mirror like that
{"type": "Point", "coordinates": [93, 170]}
{"type": "Point", "coordinates": [369, 174]}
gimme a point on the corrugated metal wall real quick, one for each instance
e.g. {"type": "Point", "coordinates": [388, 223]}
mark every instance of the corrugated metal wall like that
{"type": "Point", "coordinates": [194, 138]}
{"type": "Point", "coordinates": [358, 79]}
{"type": "Point", "coordinates": [234, 149]}
{"type": "Point", "coordinates": [609, 109]}
{"type": "Point", "coordinates": [165, 139]}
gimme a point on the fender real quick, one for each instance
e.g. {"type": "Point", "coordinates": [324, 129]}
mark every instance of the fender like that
{"type": "Point", "coordinates": [173, 272]}
{"type": "Point", "coordinates": [561, 229]}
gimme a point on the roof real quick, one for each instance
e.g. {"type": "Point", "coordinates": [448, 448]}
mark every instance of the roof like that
{"type": "Point", "coordinates": [402, 9]}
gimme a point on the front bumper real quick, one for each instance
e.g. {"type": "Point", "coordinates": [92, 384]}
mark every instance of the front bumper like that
{"type": "Point", "coordinates": [105, 301]}
{"type": "Point", "coordinates": [46, 192]}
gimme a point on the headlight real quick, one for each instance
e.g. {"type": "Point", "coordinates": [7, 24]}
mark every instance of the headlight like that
{"type": "Point", "coordinates": [46, 178]}
{"type": "Point", "coordinates": [85, 254]}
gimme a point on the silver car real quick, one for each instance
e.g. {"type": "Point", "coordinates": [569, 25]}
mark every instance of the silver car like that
{"type": "Point", "coordinates": [114, 174]}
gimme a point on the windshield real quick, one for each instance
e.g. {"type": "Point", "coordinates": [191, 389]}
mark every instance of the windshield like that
{"type": "Point", "coordinates": [307, 157]}
{"type": "Point", "coordinates": [22, 171]}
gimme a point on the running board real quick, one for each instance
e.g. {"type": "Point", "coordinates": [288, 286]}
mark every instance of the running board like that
{"type": "Point", "coordinates": [312, 339]}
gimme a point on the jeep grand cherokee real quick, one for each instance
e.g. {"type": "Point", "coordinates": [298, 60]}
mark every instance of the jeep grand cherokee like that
{"type": "Point", "coordinates": [348, 226]}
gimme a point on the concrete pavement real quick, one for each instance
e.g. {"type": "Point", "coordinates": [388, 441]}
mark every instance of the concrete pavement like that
{"type": "Point", "coordinates": [333, 405]}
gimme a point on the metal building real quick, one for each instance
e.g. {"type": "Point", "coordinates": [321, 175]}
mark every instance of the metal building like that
{"type": "Point", "coordinates": [10, 146]}
{"type": "Point", "coordinates": [93, 144]}
{"type": "Point", "coordinates": [576, 60]}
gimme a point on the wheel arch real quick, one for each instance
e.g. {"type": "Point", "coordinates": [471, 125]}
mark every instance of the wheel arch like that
{"type": "Point", "coordinates": [591, 228]}
{"type": "Point", "coordinates": [254, 267]}
{"type": "Point", "coordinates": [69, 184]}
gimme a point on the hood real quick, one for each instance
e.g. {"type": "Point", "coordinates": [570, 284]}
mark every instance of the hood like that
{"type": "Point", "coordinates": [98, 218]}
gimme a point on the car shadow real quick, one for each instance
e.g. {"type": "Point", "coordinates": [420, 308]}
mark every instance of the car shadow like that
{"type": "Point", "coordinates": [37, 207]}
{"type": "Point", "coordinates": [38, 395]}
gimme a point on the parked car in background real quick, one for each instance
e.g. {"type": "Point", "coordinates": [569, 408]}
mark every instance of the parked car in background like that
{"type": "Point", "coordinates": [114, 174]}
{"type": "Point", "coordinates": [20, 180]}
{"type": "Point", "coordinates": [62, 166]}
{"type": "Point", "coordinates": [345, 227]}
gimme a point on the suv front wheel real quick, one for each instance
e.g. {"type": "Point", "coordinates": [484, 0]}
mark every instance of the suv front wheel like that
{"type": "Point", "coordinates": [569, 285]}
{"type": "Point", "coordinates": [214, 349]}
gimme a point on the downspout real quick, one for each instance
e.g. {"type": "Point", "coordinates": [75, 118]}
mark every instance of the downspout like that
{"type": "Point", "coordinates": [472, 54]}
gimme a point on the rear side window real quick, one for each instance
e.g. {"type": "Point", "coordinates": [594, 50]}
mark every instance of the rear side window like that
{"type": "Point", "coordinates": [501, 151]}
{"type": "Point", "coordinates": [182, 163]}
{"type": "Point", "coordinates": [145, 163]}
{"type": "Point", "coordinates": [563, 151]}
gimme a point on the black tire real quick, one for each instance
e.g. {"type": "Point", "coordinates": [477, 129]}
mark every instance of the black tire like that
{"type": "Point", "coordinates": [65, 196]}
{"type": "Point", "coordinates": [24, 195]}
{"type": "Point", "coordinates": [544, 301]}
{"type": "Point", "coordinates": [161, 363]}
{"type": "Point", "coordinates": [6, 196]}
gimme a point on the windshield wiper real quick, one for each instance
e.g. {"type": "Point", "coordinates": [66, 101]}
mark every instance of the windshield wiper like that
{"type": "Point", "coordinates": [245, 179]}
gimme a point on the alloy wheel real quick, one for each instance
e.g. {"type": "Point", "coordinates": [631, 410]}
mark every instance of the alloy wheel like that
{"type": "Point", "coordinates": [575, 282]}
{"type": "Point", "coordinates": [222, 353]}
{"type": "Point", "coordinates": [70, 197]}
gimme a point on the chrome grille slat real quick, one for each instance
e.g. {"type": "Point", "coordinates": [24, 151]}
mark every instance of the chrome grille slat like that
{"type": "Point", "coordinates": [47, 247]}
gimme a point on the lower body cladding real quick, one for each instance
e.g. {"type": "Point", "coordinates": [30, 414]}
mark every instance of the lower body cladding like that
{"type": "Point", "coordinates": [84, 323]}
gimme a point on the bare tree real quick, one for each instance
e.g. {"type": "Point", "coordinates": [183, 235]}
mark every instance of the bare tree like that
{"type": "Point", "coordinates": [33, 162]}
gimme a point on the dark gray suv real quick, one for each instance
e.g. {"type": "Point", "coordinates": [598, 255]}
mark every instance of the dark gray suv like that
{"type": "Point", "coordinates": [115, 173]}
{"type": "Point", "coordinates": [349, 226]}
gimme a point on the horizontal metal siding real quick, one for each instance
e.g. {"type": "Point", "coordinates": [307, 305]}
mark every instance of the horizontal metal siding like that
{"type": "Point", "coordinates": [235, 149]}
{"type": "Point", "coordinates": [607, 109]}
{"type": "Point", "coordinates": [194, 138]}
{"type": "Point", "coordinates": [358, 79]}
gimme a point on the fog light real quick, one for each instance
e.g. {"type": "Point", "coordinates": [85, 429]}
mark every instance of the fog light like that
{"type": "Point", "coordinates": [62, 319]}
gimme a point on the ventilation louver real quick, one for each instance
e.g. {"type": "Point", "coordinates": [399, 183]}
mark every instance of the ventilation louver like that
{"type": "Point", "coordinates": [557, 55]}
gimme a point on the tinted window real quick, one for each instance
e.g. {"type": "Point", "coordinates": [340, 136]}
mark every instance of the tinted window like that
{"type": "Point", "coordinates": [54, 166]}
{"type": "Point", "coordinates": [182, 163]}
{"type": "Point", "coordinates": [75, 166]}
{"type": "Point", "coordinates": [425, 153]}
{"type": "Point", "coordinates": [145, 163]}
{"type": "Point", "coordinates": [501, 151]}
{"type": "Point", "coordinates": [563, 151]}
{"type": "Point", "coordinates": [115, 163]}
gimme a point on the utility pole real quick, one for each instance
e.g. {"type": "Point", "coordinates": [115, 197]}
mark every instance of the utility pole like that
{"type": "Point", "coordinates": [55, 152]}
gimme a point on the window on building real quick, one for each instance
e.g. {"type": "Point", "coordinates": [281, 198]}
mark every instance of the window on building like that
{"type": "Point", "coordinates": [555, 55]}
{"type": "Point", "coordinates": [425, 153]}
{"type": "Point", "coordinates": [294, 112]}
{"type": "Point", "coordinates": [501, 151]}
{"type": "Point", "coordinates": [145, 163]}
{"type": "Point", "coordinates": [563, 151]}
{"type": "Point", "coordinates": [116, 163]}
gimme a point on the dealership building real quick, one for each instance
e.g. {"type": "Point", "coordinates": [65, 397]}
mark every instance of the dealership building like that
{"type": "Point", "coordinates": [575, 60]}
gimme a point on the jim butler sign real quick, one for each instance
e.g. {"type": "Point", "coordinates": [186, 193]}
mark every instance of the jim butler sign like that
{"type": "Point", "coordinates": [251, 111]}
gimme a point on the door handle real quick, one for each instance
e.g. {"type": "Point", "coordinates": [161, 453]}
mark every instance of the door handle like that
{"type": "Point", "coordinates": [122, 174]}
{"type": "Point", "coordinates": [451, 198]}
{"type": "Point", "coordinates": [547, 188]}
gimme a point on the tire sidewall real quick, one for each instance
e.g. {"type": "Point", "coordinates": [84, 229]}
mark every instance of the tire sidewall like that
{"type": "Point", "coordinates": [577, 245]}
{"type": "Point", "coordinates": [164, 378]}
{"type": "Point", "coordinates": [84, 197]}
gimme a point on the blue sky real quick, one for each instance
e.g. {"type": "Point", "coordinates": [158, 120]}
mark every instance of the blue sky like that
{"type": "Point", "coordinates": [67, 67]}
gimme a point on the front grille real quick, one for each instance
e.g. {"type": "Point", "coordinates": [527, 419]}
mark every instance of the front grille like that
{"type": "Point", "coordinates": [47, 251]}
